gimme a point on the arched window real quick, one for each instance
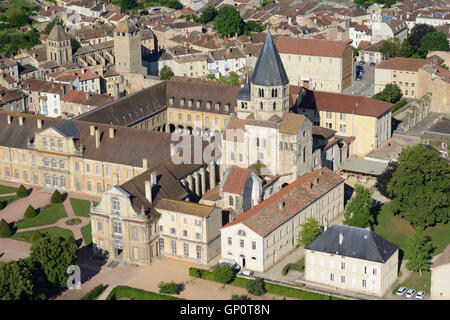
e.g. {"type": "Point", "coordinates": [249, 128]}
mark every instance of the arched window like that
{"type": "Point", "coordinates": [115, 205]}
{"type": "Point", "coordinates": [281, 145]}
{"type": "Point", "coordinates": [55, 180]}
{"type": "Point", "coordinates": [286, 146]}
{"type": "Point", "coordinates": [52, 144]}
{"type": "Point", "coordinates": [304, 154]}
{"type": "Point", "coordinates": [61, 164]}
{"type": "Point", "coordinates": [44, 143]}
{"type": "Point", "coordinates": [257, 142]}
{"type": "Point", "coordinates": [262, 106]}
{"type": "Point", "coordinates": [53, 163]}
{"type": "Point", "coordinates": [274, 105]}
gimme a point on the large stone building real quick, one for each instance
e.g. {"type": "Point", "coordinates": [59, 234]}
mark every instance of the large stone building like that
{"type": "Point", "coordinates": [263, 235]}
{"type": "Point", "coordinates": [352, 259]}
{"type": "Point", "coordinates": [317, 64]}
{"type": "Point", "coordinates": [59, 49]}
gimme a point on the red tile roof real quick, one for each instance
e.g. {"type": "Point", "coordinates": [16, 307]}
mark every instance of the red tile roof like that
{"type": "Point", "coordinates": [312, 47]}
{"type": "Point", "coordinates": [406, 64]}
{"type": "Point", "coordinates": [235, 180]}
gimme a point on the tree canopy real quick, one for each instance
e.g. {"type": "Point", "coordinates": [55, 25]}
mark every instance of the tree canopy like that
{"type": "Point", "coordinates": [54, 254]}
{"type": "Point", "coordinates": [228, 22]}
{"type": "Point", "coordinates": [418, 252]}
{"type": "Point", "coordinates": [384, 178]}
{"type": "Point", "coordinates": [223, 274]}
{"type": "Point", "coordinates": [208, 14]}
{"type": "Point", "coordinates": [433, 41]}
{"type": "Point", "coordinates": [165, 73]}
{"type": "Point", "coordinates": [128, 4]}
{"type": "Point", "coordinates": [310, 230]}
{"type": "Point", "coordinates": [391, 93]}
{"type": "Point", "coordinates": [18, 280]}
{"type": "Point", "coordinates": [420, 187]}
{"type": "Point", "coordinates": [417, 33]}
{"type": "Point", "coordinates": [358, 212]}
{"type": "Point", "coordinates": [390, 47]}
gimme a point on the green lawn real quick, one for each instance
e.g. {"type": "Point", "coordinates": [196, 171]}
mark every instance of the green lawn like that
{"type": "Point", "coordinates": [81, 207]}
{"type": "Point", "coordinates": [415, 281]}
{"type": "Point", "coordinates": [53, 231]}
{"type": "Point", "coordinates": [6, 189]}
{"type": "Point", "coordinates": [7, 200]}
{"type": "Point", "coordinates": [397, 230]}
{"type": "Point", "coordinates": [48, 215]}
{"type": "Point", "coordinates": [86, 232]}
{"type": "Point", "coordinates": [137, 294]}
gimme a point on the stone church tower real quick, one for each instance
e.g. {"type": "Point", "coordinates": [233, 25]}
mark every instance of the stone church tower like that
{"type": "Point", "coordinates": [58, 45]}
{"type": "Point", "coordinates": [127, 48]}
{"type": "Point", "coordinates": [268, 91]}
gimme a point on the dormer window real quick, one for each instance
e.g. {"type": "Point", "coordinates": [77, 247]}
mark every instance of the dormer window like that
{"type": "Point", "coordinates": [208, 105]}
{"type": "Point", "coordinates": [190, 103]}
{"type": "Point", "coordinates": [171, 101]}
{"type": "Point", "coordinates": [198, 104]}
{"type": "Point", "coordinates": [182, 102]}
{"type": "Point", "coordinates": [217, 106]}
{"type": "Point", "coordinates": [227, 107]}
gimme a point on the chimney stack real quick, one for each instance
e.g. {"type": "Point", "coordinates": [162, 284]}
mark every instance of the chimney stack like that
{"type": "Point", "coordinates": [153, 179]}
{"type": "Point", "coordinates": [341, 238]}
{"type": "Point", "coordinates": [9, 118]}
{"type": "Point", "coordinates": [97, 138]}
{"type": "Point", "coordinates": [92, 130]}
{"type": "Point", "coordinates": [39, 123]}
{"type": "Point", "coordinates": [145, 164]}
{"type": "Point", "coordinates": [148, 191]}
{"type": "Point", "coordinates": [111, 132]}
{"type": "Point", "coordinates": [20, 121]}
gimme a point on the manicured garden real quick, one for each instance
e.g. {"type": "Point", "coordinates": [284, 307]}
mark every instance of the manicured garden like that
{"type": "Point", "coordinates": [270, 288]}
{"type": "Point", "coordinates": [49, 214]}
{"type": "Point", "coordinates": [7, 189]}
{"type": "Point", "coordinates": [137, 294]}
{"type": "Point", "coordinates": [52, 231]}
{"type": "Point", "coordinates": [80, 207]}
{"type": "Point", "coordinates": [4, 201]}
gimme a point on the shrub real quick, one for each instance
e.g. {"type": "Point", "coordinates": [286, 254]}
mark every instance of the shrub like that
{"type": "Point", "coordinates": [5, 229]}
{"type": "Point", "coordinates": [22, 192]}
{"type": "Point", "coordinates": [30, 212]}
{"type": "Point", "coordinates": [240, 297]}
{"type": "Point", "coordinates": [168, 287]}
{"type": "Point", "coordinates": [36, 236]}
{"type": "Point", "coordinates": [256, 287]}
{"type": "Point", "coordinates": [71, 239]}
{"type": "Point", "coordinates": [94, 293]}
{"type": "Point", "coordinates": [194, 272]}
{"type": "Point", "coordinates": [223, 274]}
{"type": "Point", "coordinates": [57, 197]}
{"type": "Point", "coordinates": [2, 204]}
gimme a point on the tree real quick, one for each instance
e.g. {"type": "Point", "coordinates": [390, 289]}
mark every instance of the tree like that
{"type": "Point", "coordinates": [310, 230]}
{"type": "Point", "coordinates": [239, 297]}
{"type": "Point", "coordinates": [74, 44]}
{"type": "Point", "coordinates": [228, 22]}
{"type": "Point", "coordinates": [252, 26]}
{"type": "Point", "coordinates": [5, 229]}
{"type": "Point", "coordinates": [49, 27]}
{"type": "Point", "coordinates": [208, 14]}
{"type": "Point", "coordinates": [168, 287]}
{"type": "Point", "coordinates": [256, 287]}
{"type": "Point", "coordinates": [166, 73]}
{"type": "Point", "coordinates": [406, 50]}
{"type": "Point", "coordinates": [54, 254]}
{"type": "Point", "coordinates": [384, 178]}
{"type": "Point", "coordinates": [433, 41]}
{"type": "Point", "coordinates": [211, 77]}
{"type": "Point", "coordinates": [126, 5]}
{"type": "Point", "coordinates": [417, 33]}
{"type": "Point", "coordinates": [36, 236]}
{"type": "Point", "coordinates": [223, 274]}
{"type": "Point", "coordinates": [30, 212]}
{"type": "Point", "coordinates": [174, 4]}
{"type": "Point", "coordinates": [390, 47]}
{"type": "Point", "coordinates": [22, 192]}
{"type": "Point", "coordinates": [358, 211]}
{"type": "Point", "coordinates": [57, 197]}
{"type": "Point", "coordinates": [18, 281]}
{"type": "Point", "coordinates": [420, 187]}
{"type": "Point", "coordinates": [391, 93]}
{"type": "Point", "coordinates": [418, 252]}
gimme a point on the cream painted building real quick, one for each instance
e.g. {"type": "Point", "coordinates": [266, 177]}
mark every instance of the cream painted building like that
{"type": "Point", "coordinates": [440, 276]}
{"type": "Point", "coordinates": [189, 230]}
{"type": "Point", "coordinates": [353, 259]}
{"type": "Point", "coordinates": [317, 64]}
{"type": "Point", "coordinates": [263, 235]}
{"type": "Point", "coordinates": [400, 71]}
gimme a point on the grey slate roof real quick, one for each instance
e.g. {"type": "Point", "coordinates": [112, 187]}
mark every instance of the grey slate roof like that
{"type": "Point", "coordinates": [58, 33]}
{"type": "Point", "coordinates": [269, 70]}
{"type": "Point", "coordinates": [68, 129]}
{"type": "Point", "coordinates": [357, 243]}
{"type": "Point", "coordinates": [244, 94]}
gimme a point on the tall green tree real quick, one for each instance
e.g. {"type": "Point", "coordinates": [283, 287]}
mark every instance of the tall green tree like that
{"type": "Point", "coordinates": [384, 178]}
{"type": "Point", "coordinates": [166, 73]}
{"type": "Point", "coordinates": [54, 254]}
{"type": "Point", "coordinates": [228, 22]}
{"type": "Point", "coordinates": [420, 187]}
{"type": "Point", "coordinates": [208, 14]}
{"type": "Point", "coordinates": [74, 44]}
{"type": "Point", "coordinates": [223, 274]}
{"type": "Point", "coordinates": [358, 211]}
{"type": "Point", "coordinates": [18, 280]}
{"type": "Point", "coordinates": [390, 47]}
{"type": "Point", "coordinates": [418, 32]}
{"type": "Point", "coordinates": [126, 5]}
{"type": "Point", "coordinates": [406, 50]}
{"type": "Point", "coordinates": [391, 93]}
{"type": "Point", "coordinates": [418, 252]}
{"type": "Point", "coordinates": [310, 230]}
{"type": "Point", "coordinates": [433, 41]}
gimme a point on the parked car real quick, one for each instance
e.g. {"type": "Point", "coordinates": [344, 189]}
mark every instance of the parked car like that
{"type": "Point", "coordinates": [233, 265]}
{"type": "Point", "coordinates": [420, 295]}
{"type": "Point", "coordinates": [410, 293]}
{"type": "Point", "coordinates": [246, 273]}
{"type": "Point", "coordinates": [401, 291]}
{"type": "Point", "coordinates": [372, 64]}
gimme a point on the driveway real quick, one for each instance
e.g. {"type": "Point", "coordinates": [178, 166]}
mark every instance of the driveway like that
{"type": "Point", "coordinates": [13, 249]}
{"type": "Point", "coordinates": [364, 87]}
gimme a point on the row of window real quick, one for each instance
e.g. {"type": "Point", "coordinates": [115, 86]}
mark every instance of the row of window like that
{"type": "Point", "coordinates": [52, 144]}
{"type": "Point", "coordinates": [343, 266]}
{"type": "Point", "coordinates": [173, 243]}
{"type": "Point", "coordinates": [16, 158]}
{"type": "Point", "coordinates": [241, 243]}
{"type": "Point", "coordinates": [197, 119]}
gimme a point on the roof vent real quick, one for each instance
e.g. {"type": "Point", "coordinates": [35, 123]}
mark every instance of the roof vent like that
{"type": "Point", "coordinates": [341, 238]}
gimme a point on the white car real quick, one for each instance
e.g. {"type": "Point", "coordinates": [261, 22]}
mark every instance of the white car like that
{"type": "Point", "coordinates": [410, 293]}
{"type": "Point", "coordinates": [246, 273]}
{"type": "Point", "coordinates": [401, 291]}
{"type": "Point", "coordinates": [420, 295]}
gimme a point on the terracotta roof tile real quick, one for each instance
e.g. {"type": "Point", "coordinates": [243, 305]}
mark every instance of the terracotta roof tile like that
{"type": "Point", "coordinates": [407, 64]}
{"type": "Point", "coordinates": [324, 48]}
{"type": "Point", "coordinates": [235, 180]}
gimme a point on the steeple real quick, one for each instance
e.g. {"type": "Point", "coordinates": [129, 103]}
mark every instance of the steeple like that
{"type": "Point", "coordinates": [244, 93]}
{"type": "Point", "coordinates": [269, 70]}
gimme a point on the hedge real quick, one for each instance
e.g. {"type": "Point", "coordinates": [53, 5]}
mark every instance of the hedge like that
{"type": "Point", "coordinates": [57, 197]}
{"type": "Point", "coordinates": [299, 266]}
{"type": "Point", "coordinates": [137, 294]}
{"type": "Point", "coordinates": [5, 229]}
{"type": "Point", "coordinates": [271, 288]}
{"type": "Point", "coordinates": [22, 192]}
{"type": "Point", "coordinates": [30, 212]}
{"type": "Point", "coordinates": [94, 293]}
